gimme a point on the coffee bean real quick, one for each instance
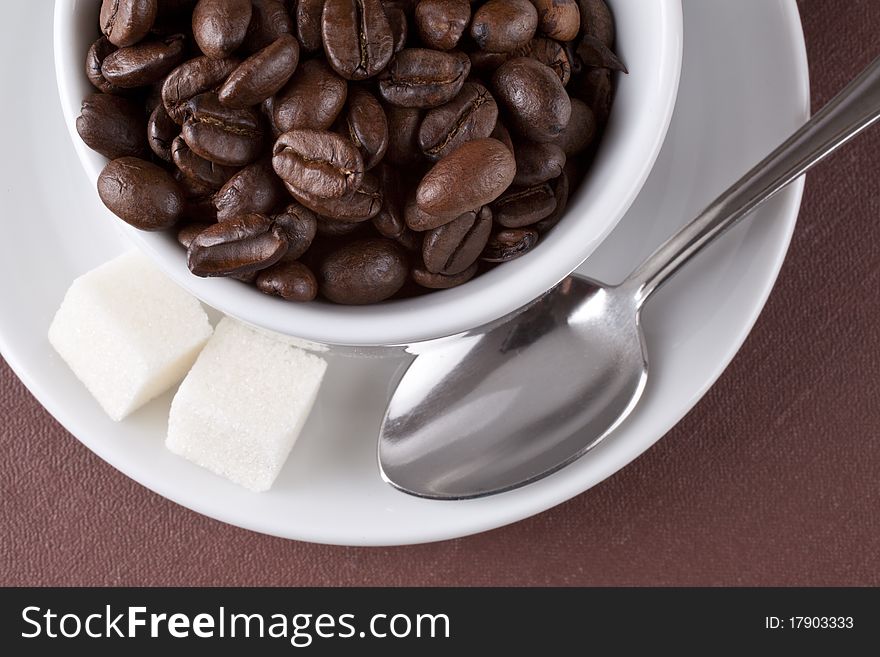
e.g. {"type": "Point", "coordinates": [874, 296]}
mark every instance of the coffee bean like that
{"type": "Point", "coordinates": [502, 134]}
{"type": "Point", "coordinates": [357, 37]}
{"type": "Point", "coordinates": [596, 90]}
{"type": "Point", "coordinates": [220, 26]}
{"type": "Point", "coordinates": [239, 246]}
{"type": "Point", "coordinates": [333, 228]}
{"type": "Point", "coordinates": [366, 126]}
{"type": "Point", "coordinates": [199, 176]}
{"type": "Point", "coordinates": [270, 20]}
{"type": "Point", "coordinates": [509, 244]}
{"type": "Point", "coordinates": [292, 281]}
{"type": "Point", "coordinates": [231, 137]}
{"type": "Point", "coordinates": [558, 19]}
{"type": "Point", "coordinates": [141, 193]}
{"type": "Point", "coordinates": [363, 272]}
{"type": "Point", "coordinates": [191, 79]}
{"type": "Point", "coordinates": [312, 100]}
{"type": "Point", "coordinates": [125, 22]}
{"type": "Point", "coordinates": [504, 25]}
{"type": "Point", "coordinates": [418, 77]}
{"type": "Point", "coordinates": [441, 23]}
{"type": "Point", "coordinates": [262, 74]}
{"type": "Point", "coordinates": [537, 163]}
{"type": "Point", "coordinates": [470, 177]}
{"type": "Point", "coordinates": [550, 53]}
{"type": "Point", "coordinates": [399, 27]}
{"type": "Point", "coordinates": [595, 54]}
{"type": "Point", "coordinates": [472, 114]}
{"type": "Point", "coordinates": [524, 206]}
{"type": "Point", "coordinates": [161, 132]}
{"type": "Point", "coordinates": [300, 225]}
{"type": "Point", "coordinates": [95, 57]}
{"type": "Point", "coordinates": [434, 281]}
{"type": "Point", "coordinates": [403, 135]}
{"type": "Point", "coordinates": [597, 21]}
{"type": "Point", "coordinates": [143, 64]}
{"type": "Point", "coordinates": [253, 190]}
{"type": "Point", "coordinates": [453, 248]}
{"type": "Point", "coordinates": [112, 126]}
{"type": "Point", "coordinates": [359, 206]}
{"type": "Point", "coordinates": [319, 163]}
{"type": "Point", "coordinates": [188, 233]}
{"type": "Point", "coordinates": [561, 192]}
{"type": "Point", "coordinates": [308, 23]}
{"type": "Point", "coordinates": [536, 102]}
{"type": "Point", "coordinates": [419, 220]}
{"type": "Point", "coordinates": [581, 129]}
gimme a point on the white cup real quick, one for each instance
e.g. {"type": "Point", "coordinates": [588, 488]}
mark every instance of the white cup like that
{"type": "Point", "coordinates": [649, 41]}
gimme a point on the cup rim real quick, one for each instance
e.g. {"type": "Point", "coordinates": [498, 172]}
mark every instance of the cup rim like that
{"type": "Point", "coordinates": [440, 313]}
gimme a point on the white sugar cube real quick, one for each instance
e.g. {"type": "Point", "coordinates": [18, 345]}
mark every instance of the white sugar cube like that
{"type": "Point", "coordinates": [128, 333]}
{"type": "Point", "coordinates": [241, 408]}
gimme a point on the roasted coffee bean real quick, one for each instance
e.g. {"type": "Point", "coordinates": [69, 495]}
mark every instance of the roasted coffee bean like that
{"type": "Point", "coordinates": [292, 281]}
{"type": "Point", "coordinates": [312, 100]}
{"type": "Point", "coordinates": [597, 21]}
{"type": "Point", "coordinates": [558, 19]}
{"type": "Point", "coordinates": [269, 21]}
{"type": "Point", "coordinates": [366, 126]}
{"type": "Point", "coordinates": [472, 114]}
{"type": "Point", "coordinates": [319, 163]}
{"type": "Point", "coordinates": [333, 228]}
{"type": "Point", "coordinates": [161, 133]}
{"type": "Point", "coordinates": [410, 240]}
{"type": "Point", "coordinates": [561, 192]}
{"type": "Point", "coordinates": [308, 23]}
{"type": "Point", "coordinates": [94, 59]}
{"type": "Point", "coordinates": [504, 25]}
{"type": "Point", "coordinates": [361, 205]}
{"type": "Point", "coordinates": [141, 193]}
{"type": "Point", "coordinates": [550, 53]}
{"type": "Point", "coordinates": [403, 135]}
{"type": "Point", "coordinates": [470, 177]}
{"type": "Point", "coordinates": [143, 64]}
{"type": "Point", "coordinates": [502, 134]}
{"type": "Point", "coordinates": [262, 74]}
{"type": "Point", "coordinates": [357, 37]}
{"type": "Point", "coordinates": [524, 206]}
{"type": "Point", "coordinates": [595, 54]}
{"type": "Point", "coordinates": [441, 281]}
{"type": "Point", "coordinates": [389, 222]}
{"type": "Point", "coordinates": [220, 26]}
{"type": "Point", "coordinates": [399, 27]}
{"type": "Point", "coordinates": [200, 177]}
{"type": "Point", "coordinates": [423, 78]}
{"type": "Point", "coordinates": [596, 90]}
{"type": "Point", "coordinates": [253, 190]}
{"type": "Point", "coordinates": [236, 247]}
{"type": "Point", "coordinates": [191, 79]}
{"type": "Point", "coordinates": [112, 126]}
{"type": "Point", "coordinates": [231, 137]}
{"type": "Point", "coordinates": [485, 63]}
{"type": "Point", "coordinates": [441, 23]}
{"type": "Point", "coordinates": [453, 248]}
{"type": "Point", "coordinates": [300, 225]}
{"type": "Point", "coordinates": [125, 22]}
{"type": "Point", "coordinates": [536, 102]}
{"type": "Point", "coordinates": [363, 272]}
{"type": "Point", "coordinates": [509, 244]}
{"type": "Point", "coordinates": [581, 129]}
{"type": "Point", "coordinates": [537, 163]}
{"type": "Point", "coordinates": [418, 220]}
{"type": "Point", "coordinates": [189, 232]}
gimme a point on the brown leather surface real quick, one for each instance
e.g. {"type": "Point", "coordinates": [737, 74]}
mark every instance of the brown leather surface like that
{"type": "Point", "coordinates": [774, 478]}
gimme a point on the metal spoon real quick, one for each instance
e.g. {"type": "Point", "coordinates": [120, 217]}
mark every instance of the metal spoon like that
{"type": "Point", "coordinates": [511, 402]}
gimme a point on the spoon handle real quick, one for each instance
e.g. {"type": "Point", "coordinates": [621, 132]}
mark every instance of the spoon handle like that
{"type": "Point", "coordinates": [852, 110]}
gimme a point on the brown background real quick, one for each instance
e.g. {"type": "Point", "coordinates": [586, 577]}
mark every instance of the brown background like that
{"type": "Point", "coordinates": [787, 442]}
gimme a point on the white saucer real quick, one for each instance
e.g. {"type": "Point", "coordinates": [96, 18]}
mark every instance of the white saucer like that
{"type": "Point", "coordinates": [739, 97]}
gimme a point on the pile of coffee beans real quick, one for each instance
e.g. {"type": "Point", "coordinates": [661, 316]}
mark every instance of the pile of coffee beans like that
{"type": "Point", "coordinates": [356, 150]}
